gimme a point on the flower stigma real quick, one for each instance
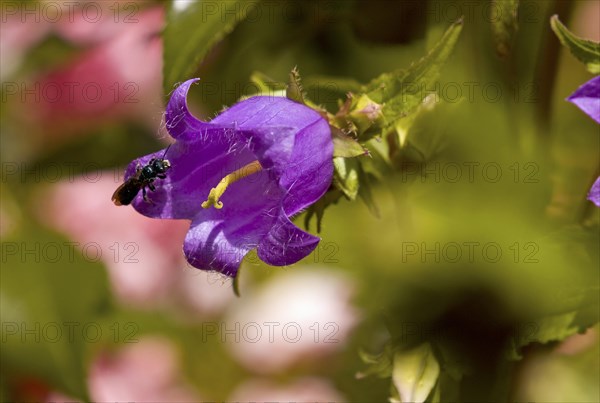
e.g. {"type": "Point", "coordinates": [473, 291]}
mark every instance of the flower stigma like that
{"type": "Point", "coordinates": [216, 192]}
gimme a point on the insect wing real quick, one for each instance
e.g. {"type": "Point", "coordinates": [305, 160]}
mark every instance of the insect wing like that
{"type": "Point", "coordinates": [125, 193]}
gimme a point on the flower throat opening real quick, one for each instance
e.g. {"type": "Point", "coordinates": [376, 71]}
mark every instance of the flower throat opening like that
{"type": "Point", "coordinates": [216, 192]}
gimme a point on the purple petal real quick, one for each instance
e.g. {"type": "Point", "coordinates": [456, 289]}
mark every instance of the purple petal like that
{"type": "Point", "coordinates": [271, 145]}
{"type": "Point", "coordinates": [594, 195]}
{"type": "Point", "coordinates": [587, 98]}
{"type": "Point", "coordinates": [219, 239]}
{"type": "Point", "coordinates": [285, 243]}
{"type": "Point", "coordinates": [310, 169]}
{"type": "Point", "coordinates": [269, 125]}
{"type": "Point", "coordinates": [179, 121]}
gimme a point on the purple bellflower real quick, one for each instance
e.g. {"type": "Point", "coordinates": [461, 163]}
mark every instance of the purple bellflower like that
{"type": "Point", "coordinates": [587, 98]}
{"type": "Point", "coordinates": [239, 178]}
{"type": "Point", "coordinates": [594, 195]}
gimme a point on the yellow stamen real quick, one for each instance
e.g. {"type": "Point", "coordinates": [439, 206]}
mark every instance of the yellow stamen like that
{"type": "Point", "coordinates": [217, 192]}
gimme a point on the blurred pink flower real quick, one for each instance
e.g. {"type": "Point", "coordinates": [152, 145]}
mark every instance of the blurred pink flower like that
{"type": "Point", "coordinates": [98, 22]}
{"type": "Point", "coordinates": [578, 343]}
{"type": "Point", "coordinates": [120, 77]}
{"type": "Point", "coordinates": [302, 315]}
{"type": "Point", "coordinates": [116, 74]}
{"type": "Point", "coordinates": [147, 371]}
{"type": "Point", "coordinates": [585, 20]}
{"type": "Point", "coordinates": [143, 256]}
{"type": "Point", "coordinates": [307, 389]}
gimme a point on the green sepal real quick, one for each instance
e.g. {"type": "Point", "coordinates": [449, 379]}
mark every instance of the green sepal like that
{"type": "Point", "coordinates": [317, 209]}
{"type": "Point", "coordinates": [345, 146]}
{"type": "Point", "coordinates": [294, 89]}
{"type": "Point", "coordinates": [365, 192]}
{"type": "Point", "coordinates": [345, 176]}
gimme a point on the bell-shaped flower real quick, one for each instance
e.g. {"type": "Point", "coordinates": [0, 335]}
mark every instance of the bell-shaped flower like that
{"type": "Point", "coordinates": [239, 178]}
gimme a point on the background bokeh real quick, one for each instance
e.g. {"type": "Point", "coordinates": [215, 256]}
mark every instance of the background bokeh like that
{"type": "Point", "coordinates": [490, 240]}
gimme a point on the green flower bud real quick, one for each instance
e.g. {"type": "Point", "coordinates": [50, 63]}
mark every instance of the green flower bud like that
{"type": "Point", "coordinates": [365, 112]}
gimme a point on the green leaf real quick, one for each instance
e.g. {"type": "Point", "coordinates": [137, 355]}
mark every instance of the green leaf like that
{"type": "Point", "coordinates": [380, 365]}
{"type": "Point", "coordinates": [415, 373]}
{"type": "Point", "coordinates": [505, 25]}
{"type": "Point", "coordinates": [559, 326]}
{"type": "Point", "coordinates": [345, 176]}
{"type": "Point", "coordinates": [345, 146]}
{"type": "Point", "coordinates": [586, 51]}
{"type": "Point", "coordinates": [193, 28]}
{"type": "Point", "coordinates": [365, 192]}
{"type": "Point", "coordinates": [49, 293]}
{"type": "Point", "coordinates": [553, 328]}
{"type": "Point", "coordinates": [403, 90]}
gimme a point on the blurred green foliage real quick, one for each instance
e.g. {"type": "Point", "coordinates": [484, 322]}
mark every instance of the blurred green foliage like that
{"type": "Point", "coordinates": [516, 145]}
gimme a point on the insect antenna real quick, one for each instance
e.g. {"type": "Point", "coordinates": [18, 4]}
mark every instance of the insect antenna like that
{"type": "Point", "coordinates": [165, 153]}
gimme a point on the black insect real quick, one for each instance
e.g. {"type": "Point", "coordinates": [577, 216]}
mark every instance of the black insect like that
{"type": "Point", "coordinates": [144, 176]}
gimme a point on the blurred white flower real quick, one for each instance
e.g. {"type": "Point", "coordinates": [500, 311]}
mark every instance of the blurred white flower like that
{"type": "Point", "coordinates": [307, 389]}
{"type": "Point", "coordinates": [302, 314]}
{"type": "Point", "coordinates": [206, 292]}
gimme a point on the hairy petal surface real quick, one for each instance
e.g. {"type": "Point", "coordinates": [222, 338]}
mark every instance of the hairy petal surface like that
{"type": "Point", "coordinates": [285, 243]}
